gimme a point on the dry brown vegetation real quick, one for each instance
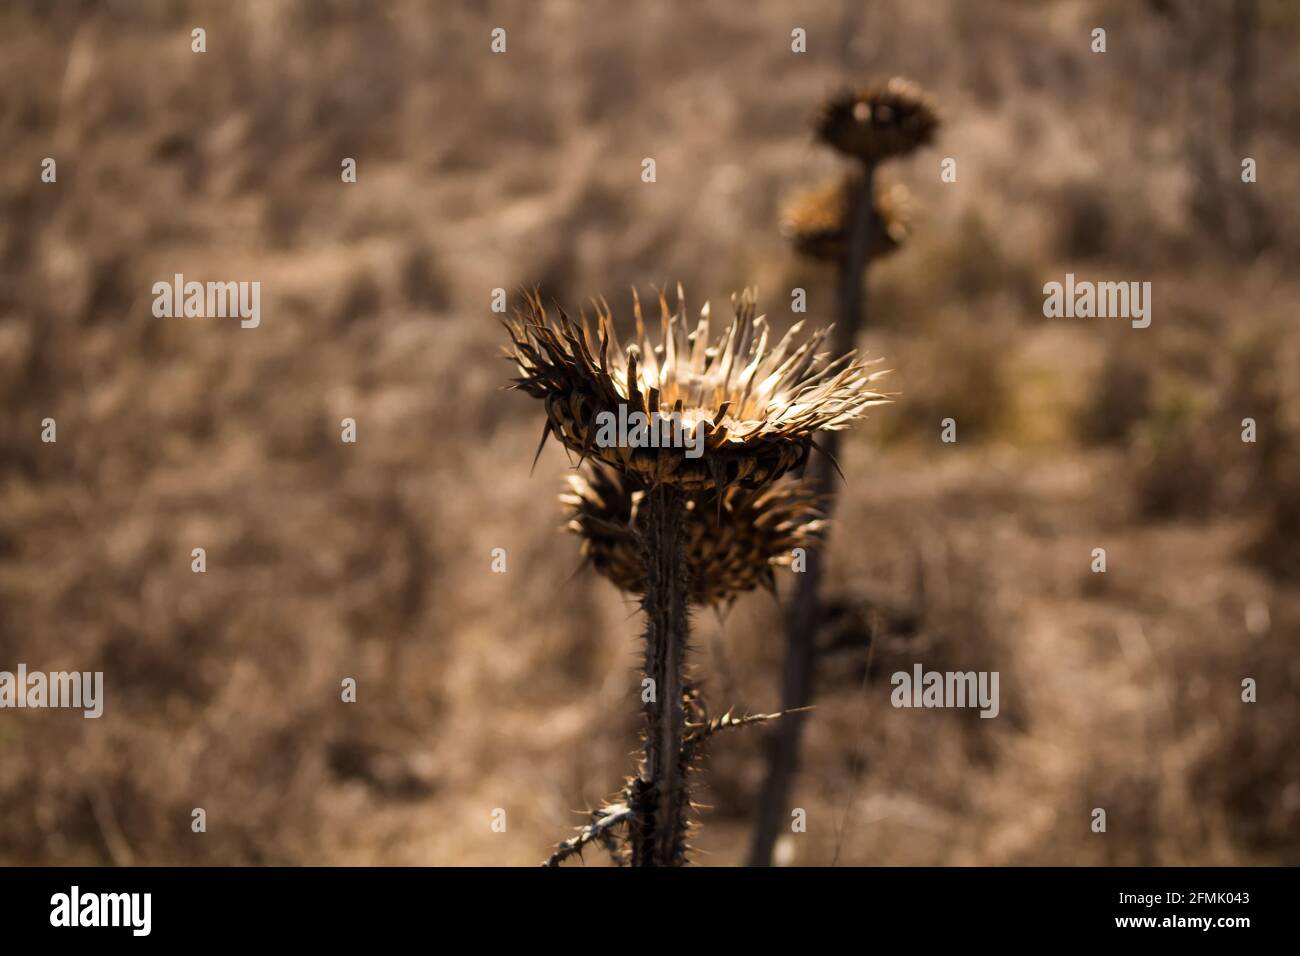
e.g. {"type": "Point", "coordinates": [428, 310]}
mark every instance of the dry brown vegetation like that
{"type": "Point", "coordinates": [481, 690]}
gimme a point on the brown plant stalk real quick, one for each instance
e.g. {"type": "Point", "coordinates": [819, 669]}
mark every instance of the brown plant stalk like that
{"type": "Point", "coordinates": [804, 617]}
{"type": "Point", "coordinates": [659, 812]}
{"type": "Point", "coordinates": [867, 126]}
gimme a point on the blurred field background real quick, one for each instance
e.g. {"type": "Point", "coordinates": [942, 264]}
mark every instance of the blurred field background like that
{"type": "Point", "coordinates": [516, 690]}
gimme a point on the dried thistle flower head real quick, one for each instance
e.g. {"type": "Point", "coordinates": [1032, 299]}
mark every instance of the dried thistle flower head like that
{"type": "Point", "coordinates": [728, 550]}
{"type": "Point", "coordinates": [816, 220]}
{"type": "Point", "coordinates": [878, 122]}
{"type": "Point", "coordinates": [745, 411]}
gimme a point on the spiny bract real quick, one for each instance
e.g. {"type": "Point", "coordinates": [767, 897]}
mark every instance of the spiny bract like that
{"type": "Point", "coordinates": [727, 551]}
{"type": "Point", "coordinates": [878, 122]}
{"type": "Point", "coordinates": [816, 220]}
{"type": "Point", "coordinates": [757, 406]}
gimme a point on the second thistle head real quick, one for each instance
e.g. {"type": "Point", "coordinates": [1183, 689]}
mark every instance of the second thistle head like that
{"type": "Point", "coordinates": [685, 410]}
{"type": "Point", "coordinates": [816, 221]}
{"type": "Point", "coordinates": [730, 547]}
{"type": "Point", "coordinates": [878, 122]}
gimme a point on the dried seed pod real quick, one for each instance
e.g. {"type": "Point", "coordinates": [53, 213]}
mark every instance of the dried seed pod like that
{"type": "Point", "coordinates": [878, 122]}
{"type": "Point", "coordinates": [728, 550]}
{"type": "Point", "coordinates": [745, 412]}
{"type": "Point", "coordinates": [816, 220]}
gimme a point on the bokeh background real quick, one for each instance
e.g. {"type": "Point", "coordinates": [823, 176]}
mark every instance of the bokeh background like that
{"type": "Point", "coordinates": [517, 690]}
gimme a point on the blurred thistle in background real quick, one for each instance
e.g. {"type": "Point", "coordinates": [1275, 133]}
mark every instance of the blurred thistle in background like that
{"type": "Point", "coordinates": [869, 126]}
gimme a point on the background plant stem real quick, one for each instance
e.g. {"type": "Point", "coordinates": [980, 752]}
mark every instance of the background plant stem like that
{"type": "Point", "coordinates": [805, 614]}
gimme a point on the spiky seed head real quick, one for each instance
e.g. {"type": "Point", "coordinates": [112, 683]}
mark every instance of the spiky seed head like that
{"type": "Point", "coordinates": [754, 406]}
{"type": "Point", "coordinates": [878, 122]}
{"type": "Point", "coordinates": [816, 220]}
{"type": "Point", "coordinates": [728, 550]}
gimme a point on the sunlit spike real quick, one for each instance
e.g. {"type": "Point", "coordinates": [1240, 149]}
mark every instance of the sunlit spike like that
{"type": "Point", "coordinates": [636, 310]}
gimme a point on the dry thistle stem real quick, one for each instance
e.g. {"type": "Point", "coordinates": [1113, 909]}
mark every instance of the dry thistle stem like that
{"type": "Point", "coordinates": [756, 406]}
{"type": "Point", "coordinates": [613, 825]}
{"type": "Point", "coordinates": [658, 825]}
{"type": "Point", "coordinates": [601, 829]}
{"type": "Point", "coordinates": [878, 122]}
{"type": "Point", "coordinates": [816, 221]}
{"type": "Point", "coordinates": [729, 549]}
{"type": "Point", "coordinates": [698, 734]}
